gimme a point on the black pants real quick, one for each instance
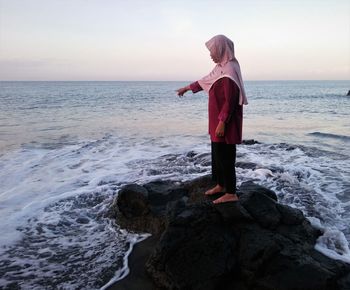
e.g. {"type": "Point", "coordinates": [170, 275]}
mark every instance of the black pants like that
{"type": "Point", "coordinates": [223, 159]}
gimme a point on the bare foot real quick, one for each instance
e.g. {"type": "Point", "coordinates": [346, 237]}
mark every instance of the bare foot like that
{"type": "Point", "coordinates": [218, 188]}
{"type": "Point", "coordinates": [226, 198]}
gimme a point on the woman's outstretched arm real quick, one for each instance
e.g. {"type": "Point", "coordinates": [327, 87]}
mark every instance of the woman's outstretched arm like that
{"type": "Point", "coordinates": [194, 87]}
{"type": "Point", "coordinates": [182, 91]}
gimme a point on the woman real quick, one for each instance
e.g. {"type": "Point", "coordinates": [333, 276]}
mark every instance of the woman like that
{"type": "Point", "coordinates": [226, 97]}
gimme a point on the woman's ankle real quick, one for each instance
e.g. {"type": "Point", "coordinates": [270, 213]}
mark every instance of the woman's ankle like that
{"type": "Point", "coordinates": [221, 187]}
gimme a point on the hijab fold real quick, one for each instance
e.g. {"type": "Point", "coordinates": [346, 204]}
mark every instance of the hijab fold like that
{"type": "Point", "coordinates": [222, 50]}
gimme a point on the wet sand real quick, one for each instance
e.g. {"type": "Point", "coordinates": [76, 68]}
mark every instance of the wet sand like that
{"type": "Point", "coordinates": [138, 278]}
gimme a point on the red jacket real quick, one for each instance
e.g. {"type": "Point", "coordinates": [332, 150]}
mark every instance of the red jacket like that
{"type": "Point", "coordinates": [224, 106]}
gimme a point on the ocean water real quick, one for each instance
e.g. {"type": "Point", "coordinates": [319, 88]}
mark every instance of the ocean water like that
{"type": "Point", "coordinates": [66, 148]}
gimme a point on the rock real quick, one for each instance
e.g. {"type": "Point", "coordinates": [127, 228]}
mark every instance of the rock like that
{"type": "Point", "coordinates": [233, 213]}
{"type": "Point", "coordinates": [348, 94]}
{"type": "Point", "coordinates": [163, 192]}
{"type": "Point", "coordinates": [144, 208]}
{"type": "Point", "coordinates": [297, 273]}
{"type": "Point", "coordinates": [262, 208]}
{"type": "Point", "coordinates": [203, 159]}
{"type": "Point", "coordinates": [255, 243]}
{"type": "Point", "coordinates": [197, 187]}
{"type": "Point", "coordinates": [246, 165]}
{"type": "Point", "coordinates": [250, 142]}
{"type": "Point", "coordinates": [290, 215]}
{"type": "Point", "coordinates": [133, 200]}
{"type": "Point", "coordinates": [82, 220]}
{"type": "Point", "coordinates": [251, 187]}
{"type": "Point", "coordinates": [344, 282]}
{"type": "Point", "coordinates": [257, 246]}
{"type": "Point", "coordinates": [195, 252]}
{"type": "Point", "coordinates": [191, 154]}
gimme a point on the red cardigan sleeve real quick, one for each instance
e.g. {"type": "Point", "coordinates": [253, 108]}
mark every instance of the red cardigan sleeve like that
{"type": "Point", "coordinates": [231, 94]}
{"type": "Point", "coordinates": [195, 87]}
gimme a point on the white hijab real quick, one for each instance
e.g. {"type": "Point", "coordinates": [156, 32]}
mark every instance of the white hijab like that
{"type": "Point", "coordinates": [222, 49]}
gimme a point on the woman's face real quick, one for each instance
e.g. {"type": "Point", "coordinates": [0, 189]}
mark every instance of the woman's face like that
{"type": "Point", "coordinates": [214, 58]}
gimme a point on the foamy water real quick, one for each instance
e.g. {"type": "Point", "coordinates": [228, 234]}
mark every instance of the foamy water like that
{"type": "Point", "coordinates": [67, 148]}
{"type": "Point", "coordinates": [309, 179]}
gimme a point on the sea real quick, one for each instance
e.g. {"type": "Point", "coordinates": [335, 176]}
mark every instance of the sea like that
{"type": "Point", "coordinates": [66, 148]}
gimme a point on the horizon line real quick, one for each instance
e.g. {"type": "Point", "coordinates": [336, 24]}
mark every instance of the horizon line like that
{"type": "Point", "coordinates": [249, 80]}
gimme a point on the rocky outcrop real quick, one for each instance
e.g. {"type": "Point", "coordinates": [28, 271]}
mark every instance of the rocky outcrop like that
{"type": "Point", "coordinates": [255, 243]}
{"type": "Point", "coordinates": [250, 142]}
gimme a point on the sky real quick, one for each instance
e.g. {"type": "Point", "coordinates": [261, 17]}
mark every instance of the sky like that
{"type": "Point", "coordinates": [164, 40]}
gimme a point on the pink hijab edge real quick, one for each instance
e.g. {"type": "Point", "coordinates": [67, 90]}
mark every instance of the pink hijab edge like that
{"type": "Point", "coordinates": [228, 66]}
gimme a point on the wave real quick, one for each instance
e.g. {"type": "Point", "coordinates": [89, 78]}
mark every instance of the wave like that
{"type": "Point", "coordinates": [64, 193]}
{"type": "Point", "coordinates": [330, 135]}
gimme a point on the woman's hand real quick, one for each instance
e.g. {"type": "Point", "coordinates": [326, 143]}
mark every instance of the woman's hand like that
{"type": "Point", "coordinates": [181, 91]}
{"type": "Point", "coordinates": [220, 129]}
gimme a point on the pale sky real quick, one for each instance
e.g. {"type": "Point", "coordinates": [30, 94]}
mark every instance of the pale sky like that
{"type": "Point", "coordinates": [164, 40]}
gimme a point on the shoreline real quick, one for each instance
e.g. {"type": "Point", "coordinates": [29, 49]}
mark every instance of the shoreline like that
{"type": "Point", "coordinates": [137, 278]}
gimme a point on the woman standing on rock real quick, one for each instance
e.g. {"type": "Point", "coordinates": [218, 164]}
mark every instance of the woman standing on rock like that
{"type": "Point", "coordinates": [225, 87]}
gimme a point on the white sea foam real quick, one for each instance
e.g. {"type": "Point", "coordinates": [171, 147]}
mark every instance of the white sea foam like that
{"type": "Point", "coordinates": [55, 200]}
{"type": "Point", "coordinates": [33, 178]}
{"type": "Point", "coordinates": [55, 203]}
{"type": "Point", "coordinates": [334, 245]}
{"type": "Point", "coordinates": [56, 188]}
{"type": "Point", "coordinates": [311, 180]}
{"type": "Point", "coordinates": [124, 271]}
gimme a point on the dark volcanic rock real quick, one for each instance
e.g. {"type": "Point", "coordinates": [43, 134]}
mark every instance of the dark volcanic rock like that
{"type": "Point", "coordinates": [290, 215]}
{"type": "Point", "coordinates": [250, 142]}
{"type": "Point", "coordinates": [195, 252]}
{"type": "Point", "coordinates": [255, 243]}
{"type": "Point", "coordinates": [133, 200]}
{"type": "Point", "coordinates": [262, 208]}
{"type": "Point", "coordinates": [163, 192]}
{"type": "Point", "coordinates": [246, 165]}
{"type": "Point", "coordinates": [203, 159]}
{"type": "Point", "coordinates": [251, 187]}
{"type": "Point", "coordinates": [144, 208]}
